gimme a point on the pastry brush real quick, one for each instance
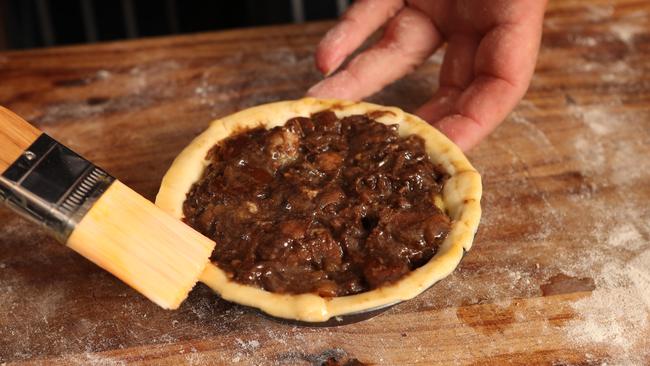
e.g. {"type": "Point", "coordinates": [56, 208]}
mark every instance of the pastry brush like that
{"type": "Point", "coordinates": [98, 216]}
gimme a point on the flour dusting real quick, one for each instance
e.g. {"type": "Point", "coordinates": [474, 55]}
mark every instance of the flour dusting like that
{"type": "Point", "coordinates": [140, 86]}
{"type": "Point", "coordinates": [103, 74]}
{"type": "Point", "coordinates": [599, 12]}
{"type": "Point", "coordinates": [218, 92]}
{"type": "Point", "coordinates": [615, 315]}
{"type": "Point", "coordinates": [92, 359]}
{"type": "Point", "coordinates": [626, 31]}
{"type": "Point", "coordinates": [639, 273]}
{"type": "Point", "coordinates": [610, 317]}
{"type": "Point", "coordinates": [600, 119]}
{"type": "Point", "coordinates": [625, 236]}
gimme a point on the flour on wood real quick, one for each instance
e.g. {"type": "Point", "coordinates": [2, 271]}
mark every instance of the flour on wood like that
{"type": "Point", "coordinates": [625, 236]}
{"type": "Point", "coordinates": [139, 87]}
{"type": "Point", "coordinates": [626, 31]}
{"type": "Point", "coordinates": [599, 12]}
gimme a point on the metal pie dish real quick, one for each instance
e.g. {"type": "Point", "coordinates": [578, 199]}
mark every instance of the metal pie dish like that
{"type": "Point", "coordinates": [461, 196]}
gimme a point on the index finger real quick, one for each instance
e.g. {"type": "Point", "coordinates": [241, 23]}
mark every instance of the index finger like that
{"type": "Point", "coordinates": [358, 23]}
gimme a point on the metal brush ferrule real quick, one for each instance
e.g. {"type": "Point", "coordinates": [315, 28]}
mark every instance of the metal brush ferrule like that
{"type": "Point", "coordinates": [53, 186]}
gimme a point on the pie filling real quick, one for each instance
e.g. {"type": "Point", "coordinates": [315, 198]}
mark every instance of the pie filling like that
{"type": "Point", "coordinates": [320, 205]}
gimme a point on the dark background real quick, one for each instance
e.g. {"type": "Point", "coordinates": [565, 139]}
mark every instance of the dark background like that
{"type": "Point", "coordinates": [41, 23]}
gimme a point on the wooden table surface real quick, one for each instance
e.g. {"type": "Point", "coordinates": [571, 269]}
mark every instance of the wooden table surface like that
{"type": "Point", "coordinates": [559, 273]}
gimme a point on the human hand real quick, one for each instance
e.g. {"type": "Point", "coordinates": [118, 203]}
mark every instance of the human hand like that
{"type": "Point", "coordinates": [490, 58]}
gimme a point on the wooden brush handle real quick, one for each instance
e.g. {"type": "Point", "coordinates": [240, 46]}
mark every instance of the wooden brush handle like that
{"type": "Point", "coordinates": [16, 135]}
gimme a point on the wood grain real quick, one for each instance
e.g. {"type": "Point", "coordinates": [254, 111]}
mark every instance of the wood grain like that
{"type": "Point", "coordinates": [558, 275]}
{"type": "Point", "coordinates": [16, 135]}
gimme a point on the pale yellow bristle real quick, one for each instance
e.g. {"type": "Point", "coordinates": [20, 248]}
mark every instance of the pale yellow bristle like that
{"type": "Point", "coordinates": [130, 237]}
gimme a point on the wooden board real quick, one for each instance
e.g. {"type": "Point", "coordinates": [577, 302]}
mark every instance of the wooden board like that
{"type": "Point", "coordinates": [559, 273]}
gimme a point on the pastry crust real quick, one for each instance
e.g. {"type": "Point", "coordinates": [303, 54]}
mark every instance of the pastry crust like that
{"type": "Point", "coordinates": [461, 196]}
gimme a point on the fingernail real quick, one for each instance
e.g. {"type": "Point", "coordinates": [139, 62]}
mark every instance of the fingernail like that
{"type": "Point", "coordinates": [325, 71]}
{"type": "Point", "coordinates": [321, 66]}
{"type": "Point", "coordinates": [328, 64]}
{"type": "Point", "coordinates": [328, 68]}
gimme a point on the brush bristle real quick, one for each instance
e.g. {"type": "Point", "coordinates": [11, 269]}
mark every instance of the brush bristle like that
{"type": "Point", "coordinates": [130, 237]}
